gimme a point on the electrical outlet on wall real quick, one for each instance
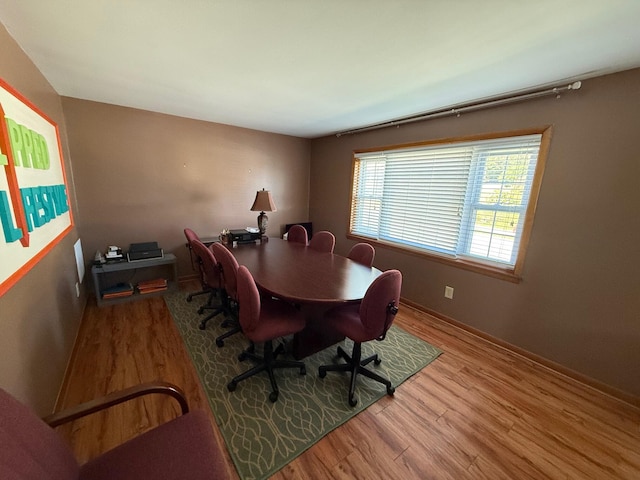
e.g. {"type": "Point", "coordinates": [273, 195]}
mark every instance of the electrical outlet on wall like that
{"type": "Point", "coordinates": [448, 292]}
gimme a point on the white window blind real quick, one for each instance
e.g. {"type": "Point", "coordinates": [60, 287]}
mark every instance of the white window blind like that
{"type": "Point", "coordinates": [464, 199]}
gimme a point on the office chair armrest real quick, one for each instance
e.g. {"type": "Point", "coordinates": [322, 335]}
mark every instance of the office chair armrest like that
{"type": "Point", "coordinates": [114, 398]}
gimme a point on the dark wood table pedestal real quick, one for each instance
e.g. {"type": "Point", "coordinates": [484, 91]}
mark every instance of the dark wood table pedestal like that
{"type": "Point", "coordinates": [315, 336]}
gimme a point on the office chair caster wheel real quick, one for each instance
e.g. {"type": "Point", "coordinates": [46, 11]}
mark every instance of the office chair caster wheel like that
{"type": "Point", "coordinates": [390, 390]}
{"type": "Point", "coordinates": [377, 361]}
{"type": "Point", "coordinates": [273, 396]}
{"type": "Point", "coordinates": [353, 401]}
{"type": "Point", "coordinates": [219, 343]}
{"type": "Point", "coordinates": [189, 298]}
{"type": "Point", "coordinates": [200, 310]}
{"type": "Point", "coordinates": [242, 356]}
{"type": "Point", "coordinates": [231, 386]}
{"type": "Point", "coordinates": [303, 370]}
{"type": "Point", "coordinates": [322, 372]}
{"type": "Point", "coordinates": [202, 325]}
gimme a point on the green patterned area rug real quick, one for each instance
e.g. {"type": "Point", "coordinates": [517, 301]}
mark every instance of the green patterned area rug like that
{"type": "Point", "coordinates": [262, 437]}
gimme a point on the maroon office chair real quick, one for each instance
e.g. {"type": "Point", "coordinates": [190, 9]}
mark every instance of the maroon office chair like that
{"type": "Point", "coordinates": [361, 323]}
{"type": "Point", "coordinates": [196, 264]}
{"type": "Point", "coordinates": [185, 447]}
{"type": "Point", "coordinates": [264, 320]}
{"type": "Point", "coordinates": [362, 253]}
{"type": "Point", "coordinates": [323, 241]}
{"type": "Point", "coordinates": [211, 278]}
{"type": "Point", "coordinates": [229, 269]}
{"type": "Point", "coordinates": [297, 234]}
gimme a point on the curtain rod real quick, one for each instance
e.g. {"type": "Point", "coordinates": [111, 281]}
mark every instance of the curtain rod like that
{"type": "Point", "coordinates": [457, 110]}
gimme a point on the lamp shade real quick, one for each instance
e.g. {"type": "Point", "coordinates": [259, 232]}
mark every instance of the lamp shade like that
{"type": "Point", "coordinates": [263, 202]}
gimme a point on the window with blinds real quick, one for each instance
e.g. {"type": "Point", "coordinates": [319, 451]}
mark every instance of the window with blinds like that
{"type": "Point", "coordinates": [462, 200]}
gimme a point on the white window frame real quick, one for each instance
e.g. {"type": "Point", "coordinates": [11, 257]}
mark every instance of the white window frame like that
{"type": "Point", "coordinates": [499, 264]}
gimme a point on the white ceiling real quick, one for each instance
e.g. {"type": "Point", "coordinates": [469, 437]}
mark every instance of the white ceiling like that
{"type": "Point", "coordinates": [311, 68]}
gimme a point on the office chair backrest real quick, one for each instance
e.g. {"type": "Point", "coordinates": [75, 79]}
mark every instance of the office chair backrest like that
{"type": "Point", "coordinates": [30, 448]}
{"type": "Point", "coordinates": [229, 266]}
{"type": "Point", "coordinates": [362, 253]}
{"type": "Point", "coordinates": [380, 304]}
{"type": "Point", "coordinates": [208, 263]}
{"type": "Point", "coordinates": [308, 226]}
{"type": "Point", "coordinates": [323, 241]}
{"type": "Point", "coordinates": [297, 234]}
{"type": "Point", "coordinates": [191, 235]}
{"type": "Point", "coordinates": [249, 300]}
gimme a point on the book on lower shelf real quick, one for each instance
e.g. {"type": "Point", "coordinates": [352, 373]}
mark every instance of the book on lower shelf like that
{"type": "Point", "coordinates": [154, 285]}
{"type": "Point", "coordinates": [151, 290]}
{"type": "Point", "coordinates": [117, 290]}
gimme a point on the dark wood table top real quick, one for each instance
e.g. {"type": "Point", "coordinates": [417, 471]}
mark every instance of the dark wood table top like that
{"type": "Point", "coordinates": [302, 275]}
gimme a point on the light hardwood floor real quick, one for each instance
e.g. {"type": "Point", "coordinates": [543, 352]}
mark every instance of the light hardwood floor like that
{"type": "Point", "coordinates": [477, 412]}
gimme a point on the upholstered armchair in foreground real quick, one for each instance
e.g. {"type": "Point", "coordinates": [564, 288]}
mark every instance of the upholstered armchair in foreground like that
{"type": "Point", "coordinates": [185, 447]}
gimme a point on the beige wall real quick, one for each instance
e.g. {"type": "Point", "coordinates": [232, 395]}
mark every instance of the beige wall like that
{"type": "Point", "coordinates": [143, 176]}
{"type": "Point", "coordinates": [39, 316]}
{"type": "Point", "coordinates": [579, 301]}
{"type": "Point", "coordinates": [139, 176]}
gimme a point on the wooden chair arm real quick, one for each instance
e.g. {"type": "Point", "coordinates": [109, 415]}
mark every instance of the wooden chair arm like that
{"type": "Point", "coordinates": [114, 398]}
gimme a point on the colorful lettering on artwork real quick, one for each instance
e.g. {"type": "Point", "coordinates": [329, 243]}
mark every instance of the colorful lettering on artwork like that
{"type": "Point", "coordinates": [39, 204]}
{"type": "Point", "coordinates": [29, 148]}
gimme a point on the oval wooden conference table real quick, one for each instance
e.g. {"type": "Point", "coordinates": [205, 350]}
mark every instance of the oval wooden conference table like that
{"type": "Point", "coordinates": [314, 280]}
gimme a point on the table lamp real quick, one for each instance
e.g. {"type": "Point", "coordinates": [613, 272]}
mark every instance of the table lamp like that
{"type": "Point", "coordinates": [263, 203]}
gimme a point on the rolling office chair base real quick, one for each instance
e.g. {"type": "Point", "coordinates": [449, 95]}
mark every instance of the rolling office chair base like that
{"type": "Point", "coordinates": [212, 292]}
{"type": "Point", "coordinates": [209, 304]}
{"type": "Point", "coordinates": [230, 321]}
{"type": "Point", "coordinates": [203, 322]}
{"type": "Point", "coordinates": [266, 363]}
{"type": "Point", "coordinates": [195, 294]}
{"type": "Point", "coordinates": [217, 309]}
{"type": "Point", "coordinates": [230, 309]}
{"type": "Point", "coordinates": [227, 334]}
{"type": "Point", "coordinates": [224, 307]}
{"type": "Point", "coordinates": [356, 366]}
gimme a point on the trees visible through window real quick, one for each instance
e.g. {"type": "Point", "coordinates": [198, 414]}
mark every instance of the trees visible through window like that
{"type": "Point", "coordinates": [465, 200]}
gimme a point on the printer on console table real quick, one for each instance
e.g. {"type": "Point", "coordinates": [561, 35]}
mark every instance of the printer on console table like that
{"type": "Point", "coordinates": [144, 251]}
{"type": "Point", "coordinates": [240, 236]}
